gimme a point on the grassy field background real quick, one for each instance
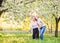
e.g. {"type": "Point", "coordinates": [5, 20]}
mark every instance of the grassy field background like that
{"type": "Point", "coordinates": [25, 37]}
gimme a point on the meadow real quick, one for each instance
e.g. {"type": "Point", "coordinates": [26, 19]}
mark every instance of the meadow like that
{"type": "Point", "coordinates": [16, 15]}
{"type": "Point", "coordinates": [26, 37]}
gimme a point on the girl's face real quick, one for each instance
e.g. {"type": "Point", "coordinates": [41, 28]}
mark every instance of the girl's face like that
{"type": "Point", "coordinates": [33, 18]}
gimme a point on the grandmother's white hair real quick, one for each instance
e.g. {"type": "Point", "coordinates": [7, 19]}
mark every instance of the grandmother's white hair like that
{"type": "Point", "coordinates": [34, 14]}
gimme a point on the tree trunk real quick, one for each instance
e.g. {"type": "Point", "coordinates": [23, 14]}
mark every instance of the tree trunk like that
{"type": "Point", "coordinates": [48, 27]}
{"type": "Point", "coordinates": [51, 26]}
{"type": "Point", "coordinates": [56, 30]}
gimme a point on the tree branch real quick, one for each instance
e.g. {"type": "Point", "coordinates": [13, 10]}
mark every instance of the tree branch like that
{"type": "Point", "coordinates": [30, 2]}
{"type": "Point", "coordinates": [3, 11]}
{"type": "Point", "coordinates": [59, 19]}
{"type": "Point", "coordinates": [54, 15]}
{"type": "Point", "coordinates": [1, 2]}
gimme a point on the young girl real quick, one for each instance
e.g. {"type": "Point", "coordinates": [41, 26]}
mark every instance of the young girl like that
{"type": "Point", "coordinates": [34, 28]}
{"type": "Point", "coordinates": [42, 27]}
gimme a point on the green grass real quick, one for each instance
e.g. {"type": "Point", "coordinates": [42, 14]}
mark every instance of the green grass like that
{"type": "Point", "coordinates": [26, 38]}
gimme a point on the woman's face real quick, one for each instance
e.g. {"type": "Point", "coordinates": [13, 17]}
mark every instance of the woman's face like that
{"type": "Point", "coordinates": [34, 19]}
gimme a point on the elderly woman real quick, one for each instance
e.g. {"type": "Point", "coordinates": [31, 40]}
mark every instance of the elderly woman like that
{"type": "Point", "coordinates": [34, 28]}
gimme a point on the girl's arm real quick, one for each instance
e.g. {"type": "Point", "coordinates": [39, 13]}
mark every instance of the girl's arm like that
{"type": "Point", "coordinates": [40, 23]}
